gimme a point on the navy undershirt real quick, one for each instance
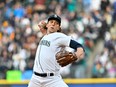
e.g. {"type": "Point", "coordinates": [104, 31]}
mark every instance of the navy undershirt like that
{"type": "Point", "coordinates": [75, 45]}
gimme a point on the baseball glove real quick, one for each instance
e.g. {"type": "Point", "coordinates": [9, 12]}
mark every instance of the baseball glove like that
{"type": "Point", "coordinates": [64, 57]}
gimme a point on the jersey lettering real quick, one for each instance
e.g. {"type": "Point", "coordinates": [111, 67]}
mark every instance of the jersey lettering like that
{"type": "Point", "coordinates": [45, 42]}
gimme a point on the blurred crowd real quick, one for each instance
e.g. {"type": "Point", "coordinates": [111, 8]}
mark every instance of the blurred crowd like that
{"type": "Point", "coordinates": [87, 21]}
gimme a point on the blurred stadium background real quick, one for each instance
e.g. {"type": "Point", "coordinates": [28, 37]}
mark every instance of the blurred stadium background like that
{"type": "Point", "coordinates": [91, 22]}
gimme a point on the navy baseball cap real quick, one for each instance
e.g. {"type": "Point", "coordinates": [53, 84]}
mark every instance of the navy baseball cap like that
{"type": "Point", "coordinates": [55, 17]}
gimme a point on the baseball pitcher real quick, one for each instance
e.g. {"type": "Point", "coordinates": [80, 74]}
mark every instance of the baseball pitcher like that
{"type": "Point", "coordinates": [51, 55]}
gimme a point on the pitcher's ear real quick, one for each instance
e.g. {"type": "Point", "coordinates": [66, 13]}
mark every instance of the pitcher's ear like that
{"type": "Point", "coordinates": [59, 30]}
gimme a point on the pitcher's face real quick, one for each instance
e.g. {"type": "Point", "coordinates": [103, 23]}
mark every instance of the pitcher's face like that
{"type": "Point", "coordinates": [52, 26]}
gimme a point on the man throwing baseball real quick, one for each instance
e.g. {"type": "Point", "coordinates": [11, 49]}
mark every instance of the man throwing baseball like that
{"type": "Point", "coordinates": [49, 58]}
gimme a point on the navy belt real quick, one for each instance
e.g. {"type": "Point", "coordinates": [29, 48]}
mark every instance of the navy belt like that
{"type": "Point", "coordinates": [44, 74]}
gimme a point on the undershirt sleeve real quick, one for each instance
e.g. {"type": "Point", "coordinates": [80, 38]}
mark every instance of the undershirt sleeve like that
{"type": "Point", "coordinates": [75, 45]}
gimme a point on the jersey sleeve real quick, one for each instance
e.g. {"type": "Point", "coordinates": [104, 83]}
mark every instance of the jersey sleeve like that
{"type": "Point", "coordinates": [63, 40]}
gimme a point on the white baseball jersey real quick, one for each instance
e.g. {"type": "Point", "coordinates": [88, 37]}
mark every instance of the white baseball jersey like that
{"type": "Point", "coordinates": [45, 61]}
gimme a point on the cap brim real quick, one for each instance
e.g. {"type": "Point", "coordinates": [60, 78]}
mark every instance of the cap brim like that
{"type": "Point", "coordinates": [55, 19]}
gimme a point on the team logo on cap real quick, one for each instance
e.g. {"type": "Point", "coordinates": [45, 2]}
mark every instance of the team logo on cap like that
{"type": "Point", "coordinates": [55, 16]}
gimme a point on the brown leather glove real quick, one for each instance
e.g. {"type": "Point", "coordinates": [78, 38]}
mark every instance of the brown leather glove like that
{"type": "Point", "coordinates": [64, 57]}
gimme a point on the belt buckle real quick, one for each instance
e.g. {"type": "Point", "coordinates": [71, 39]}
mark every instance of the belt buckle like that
{"type": "Point", "coordinates": [48, 74]}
